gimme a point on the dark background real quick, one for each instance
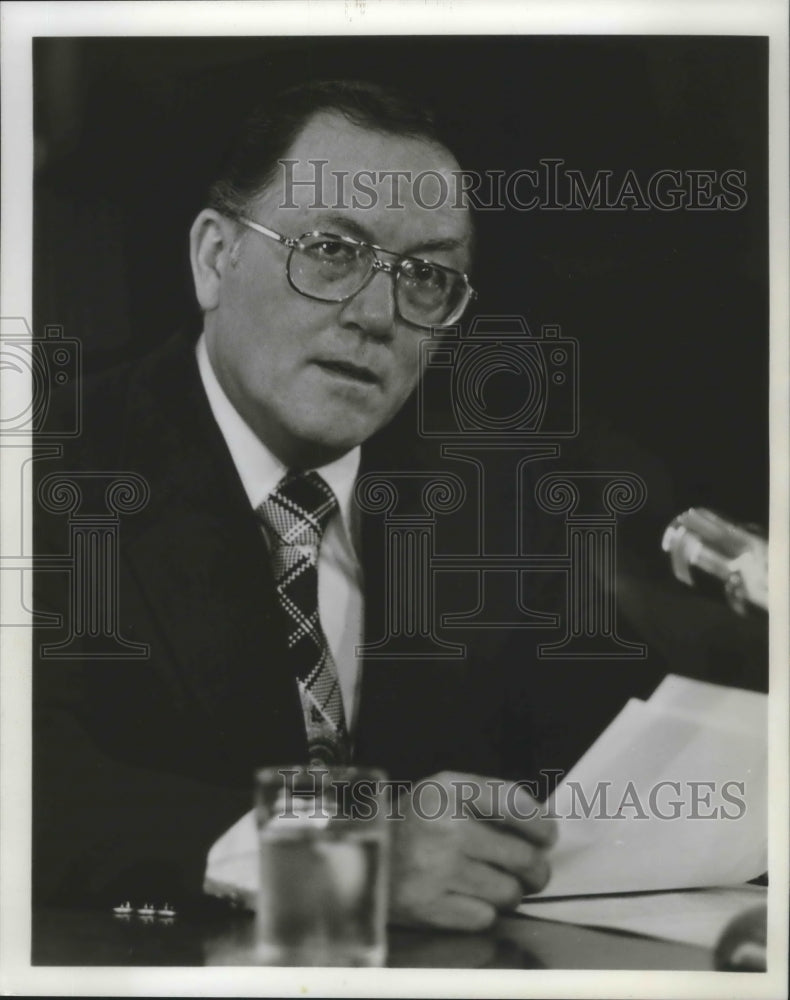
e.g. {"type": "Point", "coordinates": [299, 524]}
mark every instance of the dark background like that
{"type": "Point", "coordinates": [671, 309]}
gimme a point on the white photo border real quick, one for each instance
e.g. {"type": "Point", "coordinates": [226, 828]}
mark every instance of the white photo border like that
{"type": "Point", "coordinates": [21, 22]}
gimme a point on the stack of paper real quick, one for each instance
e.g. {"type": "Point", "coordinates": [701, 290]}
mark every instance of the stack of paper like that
{"type": "Point", "coordinates": [693, 916]}
{"type": "Point", "coordinates": [673, 795]}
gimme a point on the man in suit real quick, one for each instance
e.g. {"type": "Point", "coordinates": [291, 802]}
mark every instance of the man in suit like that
{"type": "Point", "coordinates": [252, 437]}
{"type": "Point", "coordinates": [246, 444]}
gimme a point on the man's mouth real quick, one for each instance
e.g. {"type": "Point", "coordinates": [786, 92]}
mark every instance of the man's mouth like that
{"type": "Point", "coordinates": [347, 369]}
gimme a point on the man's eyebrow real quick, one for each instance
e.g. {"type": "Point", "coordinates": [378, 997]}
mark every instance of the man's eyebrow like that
{"type": "Point", "coordinates": [350, 227]}
{"type": "Point", "coordinates": [440, 243]}
{"type": "Point", "coordinates": [361, 232]}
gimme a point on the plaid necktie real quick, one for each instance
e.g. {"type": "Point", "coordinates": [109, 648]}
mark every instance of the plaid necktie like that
{"type": "Point", "coordinates": [297, 513]}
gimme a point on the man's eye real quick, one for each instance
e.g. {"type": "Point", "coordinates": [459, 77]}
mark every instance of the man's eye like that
{"type": "Point", "coordinates": [426, 276]}
{"type": "Point", "coordinates": [331, 250]}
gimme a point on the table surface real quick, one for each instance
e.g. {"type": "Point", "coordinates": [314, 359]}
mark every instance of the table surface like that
{"type": "Point", "coordinates": [64, 936]}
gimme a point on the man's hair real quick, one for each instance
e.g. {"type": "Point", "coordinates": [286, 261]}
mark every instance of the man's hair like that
{"type": "Point", "coordinates": [251, 162]}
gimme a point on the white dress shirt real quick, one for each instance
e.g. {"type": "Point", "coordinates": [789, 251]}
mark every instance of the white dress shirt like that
{"type": "Point", "coordinates": [340, 600]}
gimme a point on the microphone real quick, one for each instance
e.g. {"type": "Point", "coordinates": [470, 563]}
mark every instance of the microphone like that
{"type": "Point", "coordinates": [704, 545]}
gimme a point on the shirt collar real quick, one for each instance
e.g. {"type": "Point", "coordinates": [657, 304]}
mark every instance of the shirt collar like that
{"type": "Point", "coordinates": [260, 471]}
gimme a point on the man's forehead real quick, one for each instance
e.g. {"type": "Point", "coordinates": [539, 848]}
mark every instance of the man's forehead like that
{"type": "Point", "coordinates": [375, 185]}
{"type": "Point", "coordinates": [331, 136]}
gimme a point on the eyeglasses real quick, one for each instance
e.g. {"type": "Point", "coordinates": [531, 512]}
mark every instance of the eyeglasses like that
{"type": "Point", "coordinates": [333, 268]}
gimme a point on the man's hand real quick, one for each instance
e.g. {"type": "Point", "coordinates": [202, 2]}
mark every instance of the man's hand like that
{"type": "Point", "coordinates": [485, 849]}
{"type": "Point", "coordinates": [456, 871]}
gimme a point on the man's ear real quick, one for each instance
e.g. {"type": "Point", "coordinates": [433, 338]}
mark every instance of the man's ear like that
{"type": "Point", "coordinates": [210, 244]}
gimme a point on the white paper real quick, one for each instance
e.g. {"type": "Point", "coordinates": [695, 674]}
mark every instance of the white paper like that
{"type": "Point", "coordinates": [735, 708]}
{"type": "Point", "coordinates": [696, 916]}
{"type": "Point", "coordinates": [661, 801]}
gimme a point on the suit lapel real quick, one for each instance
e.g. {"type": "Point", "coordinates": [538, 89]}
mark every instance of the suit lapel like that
{"type": "Point", "coordinates": [198, 555]}
{"type": "Point", "coordinates": [417, 715]}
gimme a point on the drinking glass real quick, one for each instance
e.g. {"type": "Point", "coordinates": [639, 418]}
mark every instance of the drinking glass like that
{"type": "Point", "coordinates": [324, 860]}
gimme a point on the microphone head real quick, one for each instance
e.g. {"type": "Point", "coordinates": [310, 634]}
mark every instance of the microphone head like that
{"type": "Point", "coordinates": [702, 545]}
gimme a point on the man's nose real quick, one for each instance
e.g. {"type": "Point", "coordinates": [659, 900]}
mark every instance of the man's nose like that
{"type": "Point", "coordinates": [372, 308]}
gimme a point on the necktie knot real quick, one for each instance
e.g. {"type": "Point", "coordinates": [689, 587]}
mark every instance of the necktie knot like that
{"type": "Point", "coordinates": [298, 510]}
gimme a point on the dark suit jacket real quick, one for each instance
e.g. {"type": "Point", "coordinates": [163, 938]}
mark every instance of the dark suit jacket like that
{"type": "Point", "coordinates": [140, 764]}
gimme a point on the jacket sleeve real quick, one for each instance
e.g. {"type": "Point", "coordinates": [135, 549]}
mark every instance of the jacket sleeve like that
{"type": "Point", "coordinates": [105, 830]}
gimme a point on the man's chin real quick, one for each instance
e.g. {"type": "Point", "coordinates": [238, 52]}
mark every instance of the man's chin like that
{"type": "Point", "coordinates": [341, 428]}
{"type": "Point", "coordinates": [320, 446]}
{"type": "Point", "coordinates": [326, 434]}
